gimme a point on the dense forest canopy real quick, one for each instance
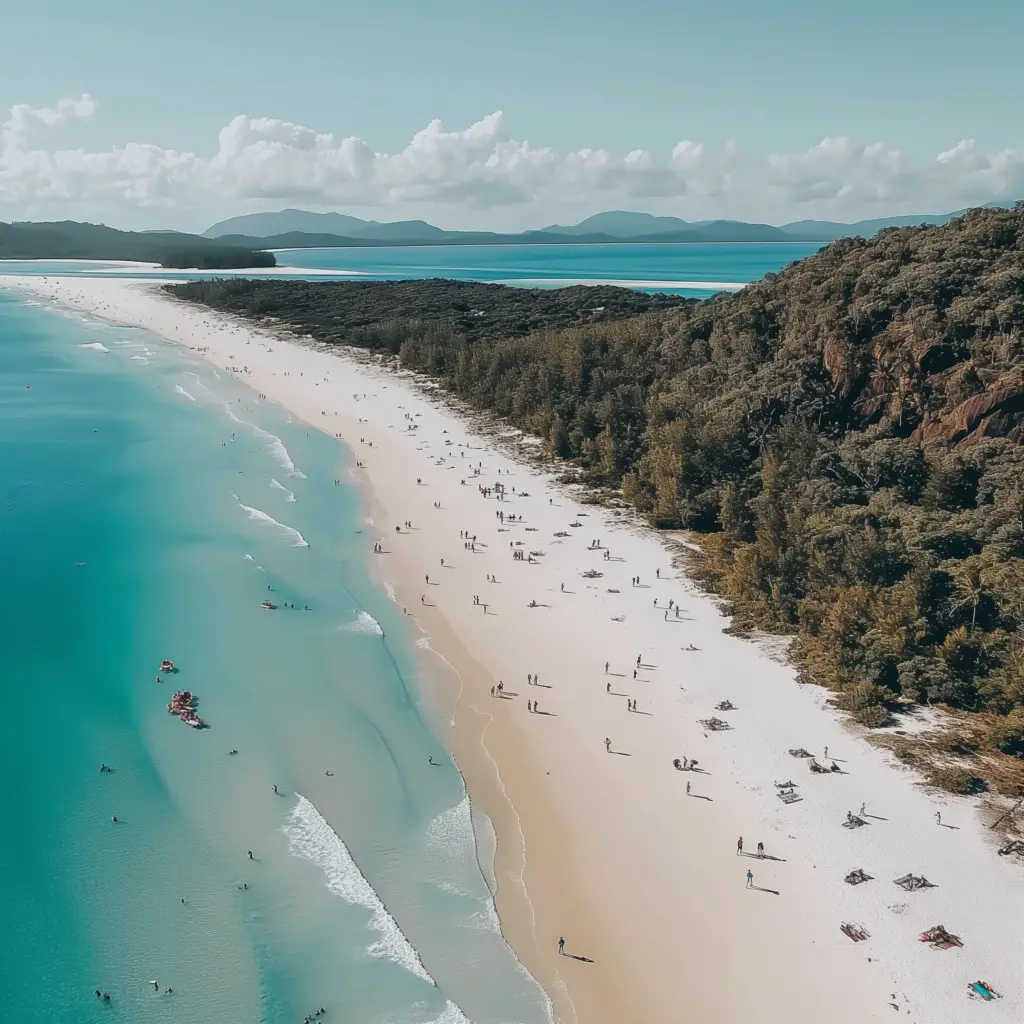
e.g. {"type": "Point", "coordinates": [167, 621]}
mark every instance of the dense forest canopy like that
{"type": "Point", "coordinates": [847, 434]}
{"type": "Point", "coordinates": [71, 240]}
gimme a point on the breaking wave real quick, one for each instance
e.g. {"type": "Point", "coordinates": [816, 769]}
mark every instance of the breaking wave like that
{"type": "Point", "coordinates": [288, 495]}
{"type": "Point", "coordinates": [364, 622]}
{"type": "Point", "coordinates": [259, 515]}
{"type": "Point", "coordinates": [311, 837]}
{"type": "Point", "coordinates": [97, 345]}
{"type": "Point", "coordinates": [278, 450]}
{"type": "Point", "coordinates": [182, 391]}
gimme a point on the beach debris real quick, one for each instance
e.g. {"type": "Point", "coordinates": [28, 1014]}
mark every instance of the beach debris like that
{"type": "Point", "coordinates": [592, 574]}
{"type": "Point", "coordinates": [1013, 846]}
{"type": "Point", "coordinates": [914, 882]}
{"type": "Point", "coordinates": [939, 938]}
{"type": "Point", "coordinates": [725, 705]}
{"type": "Point", "coordinates": [800, 752]}
{"type": "Point", "coordinates": [984, 990]}
{"type": "Point", "coordinates": [854, 931]}
{"type": "Point", "coordinates": [857, 876]}
{"type": "Point", "coordinates": [853, 821]}
{"type": "Point", "coordinates": [715, 724]}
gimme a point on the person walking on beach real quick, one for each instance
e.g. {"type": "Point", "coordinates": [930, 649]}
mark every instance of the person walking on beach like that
{"type": "Point", "coordinates": [938, 817]}
{"type": "Point", "coordinates": [687, 789]}
{"type": "Point", "coordinates": [492, 691]}
{"type": "Point", "coordinates": [561, 946]}
{"type": "Point", "coordinates": [529, 678]}
{"type": "Point", "coordinates": [607, 687]}
{"type": "Point", "coordinates": [739, 846]}
{"type": "Point", "coordinates": [606, 668]}
{"type": "Point", "coordinates": [750, 879]}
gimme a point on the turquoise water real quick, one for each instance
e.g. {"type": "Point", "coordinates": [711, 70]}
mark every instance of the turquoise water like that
{"type": "Point", "coordinates": [184, 499]}
{"type": "Point", "coordinates": [698, 269]}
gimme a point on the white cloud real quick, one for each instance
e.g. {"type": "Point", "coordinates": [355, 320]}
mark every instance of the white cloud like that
{"type": "Point", "coordinates": [265, 162]}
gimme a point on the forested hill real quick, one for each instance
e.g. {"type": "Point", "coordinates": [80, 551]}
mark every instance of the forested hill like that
{"type": "Point", "coordinates": [848, 433]}
{"type": "Point", "coordinates": [72, 240]}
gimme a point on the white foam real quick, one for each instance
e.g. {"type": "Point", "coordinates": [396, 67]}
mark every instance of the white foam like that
{"type": "Point", "coordinates": [98, 346]}
{"type": "Point", "coordinates": [278, 450]}
{"type": "Point", "coordinates": [259, 515]}
{"type": "Point", "coordinates": [141, 359]}
{"type": "Point", "coordinates": [364, 622]}
{"type": "Point", "coordinates": [390, 591]}
{"type": "Point", "coordinates": [451, 1014]}
{"type": "Point", "coordinates": [312, 838]}
{"type": "Point", "coordinates": [182, 391]}
{"type": "Point", "coordinates": [288, 495]}
{"type": "Point", "coordinates": [254, 562]}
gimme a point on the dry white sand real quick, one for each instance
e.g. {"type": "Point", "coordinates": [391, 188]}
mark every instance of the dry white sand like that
{"type": "Point", "coordinates": [608, 849]}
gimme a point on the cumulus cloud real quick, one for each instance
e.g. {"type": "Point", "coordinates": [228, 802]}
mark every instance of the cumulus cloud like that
{"type": "Point", "coordinates": [261, 162]}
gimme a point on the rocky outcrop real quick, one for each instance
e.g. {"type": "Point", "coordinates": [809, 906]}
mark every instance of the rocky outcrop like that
{"type": "Point", "coordinates": [996, 413]}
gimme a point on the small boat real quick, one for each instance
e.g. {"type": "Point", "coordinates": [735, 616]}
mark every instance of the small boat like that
{"type": "Point", "coordinates": [166, 666]}
{"type": "Point", "coordinates": [268, 606]}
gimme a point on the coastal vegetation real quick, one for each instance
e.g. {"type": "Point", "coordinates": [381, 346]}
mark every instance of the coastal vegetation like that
{"type": "Point", "coordinates": [71, 240]}
{"type": "Point", "coordinates": [846, 437]}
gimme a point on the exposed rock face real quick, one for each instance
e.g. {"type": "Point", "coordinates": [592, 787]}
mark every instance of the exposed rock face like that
{"type": "Point", "coordinates": [997, 413]}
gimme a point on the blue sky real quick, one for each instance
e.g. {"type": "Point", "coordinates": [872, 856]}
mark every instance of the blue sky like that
{"type": "Point", "coordinates": [744, 79]}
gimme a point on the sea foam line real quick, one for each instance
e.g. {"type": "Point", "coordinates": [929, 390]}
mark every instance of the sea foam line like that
{"type": "Point", "coordinates": [182, 391]}
{"type": "Point", "coordinates": [311, 837]}
{"type": "Point", "coordinates": [97, 345]}
{"type": "Point", "coordinates": [260, 516]}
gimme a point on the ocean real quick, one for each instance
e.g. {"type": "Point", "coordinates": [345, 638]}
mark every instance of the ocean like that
{"type": "Point", "coordinates": [148, 506]}
{"type": "Point", "coordinates": [683, 269]}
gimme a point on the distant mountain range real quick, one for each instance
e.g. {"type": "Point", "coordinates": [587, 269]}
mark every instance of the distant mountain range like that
{"type": "Point", "coordinates": [304, 229]}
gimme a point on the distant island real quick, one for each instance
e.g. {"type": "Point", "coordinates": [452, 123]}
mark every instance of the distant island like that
{"type": "Point", "coordinates": [70, 240]}
{"type": "Point", "coordinates": [846, 437]}
{"type": "Point", "coordinates": [301, 229]}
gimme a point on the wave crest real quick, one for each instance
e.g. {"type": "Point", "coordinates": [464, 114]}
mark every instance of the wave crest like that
{"type": "Point", "coordinates": [259, 515]}
{"type": "Point", "coordinates": [311, 837]}
{"type": "Point", "coordinates": [364, 622]}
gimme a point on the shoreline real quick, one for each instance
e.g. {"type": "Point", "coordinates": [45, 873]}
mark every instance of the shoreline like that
{"type": "Point", "coordinates": [639, 879]}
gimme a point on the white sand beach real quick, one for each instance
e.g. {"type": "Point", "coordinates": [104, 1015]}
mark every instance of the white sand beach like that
{"type": "Point", "coordinates": [634, 862]}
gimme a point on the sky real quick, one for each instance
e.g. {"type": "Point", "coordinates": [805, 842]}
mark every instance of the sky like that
{"type": "Point", "coordinates": [507, 116]}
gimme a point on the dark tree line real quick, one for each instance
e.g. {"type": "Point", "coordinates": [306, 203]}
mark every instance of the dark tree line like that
{"type": "Point", "coordinates": [848, 436]}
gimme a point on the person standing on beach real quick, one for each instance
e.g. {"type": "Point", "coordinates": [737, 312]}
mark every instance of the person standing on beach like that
{"type": "Point", "coordinates": [607, 687]}
{"type": "Point", "coordinates": [938, 817]}
{"type": "Point", "coordinates": [606, 668]}
{"type": "Point", "coordinates": [561, 946]}
{"type": "Point", "coordinates": [739, 846]}
{"type": "Point", "coordinates": [607, 745]}
{"type": "Point", "coordinates": [750, 879]}
{"type": "Point", "coordinates": [760, 849]}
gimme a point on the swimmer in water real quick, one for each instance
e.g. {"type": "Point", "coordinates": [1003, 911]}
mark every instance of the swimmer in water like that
{"type": "Point", "coordinates": [275, 788]}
